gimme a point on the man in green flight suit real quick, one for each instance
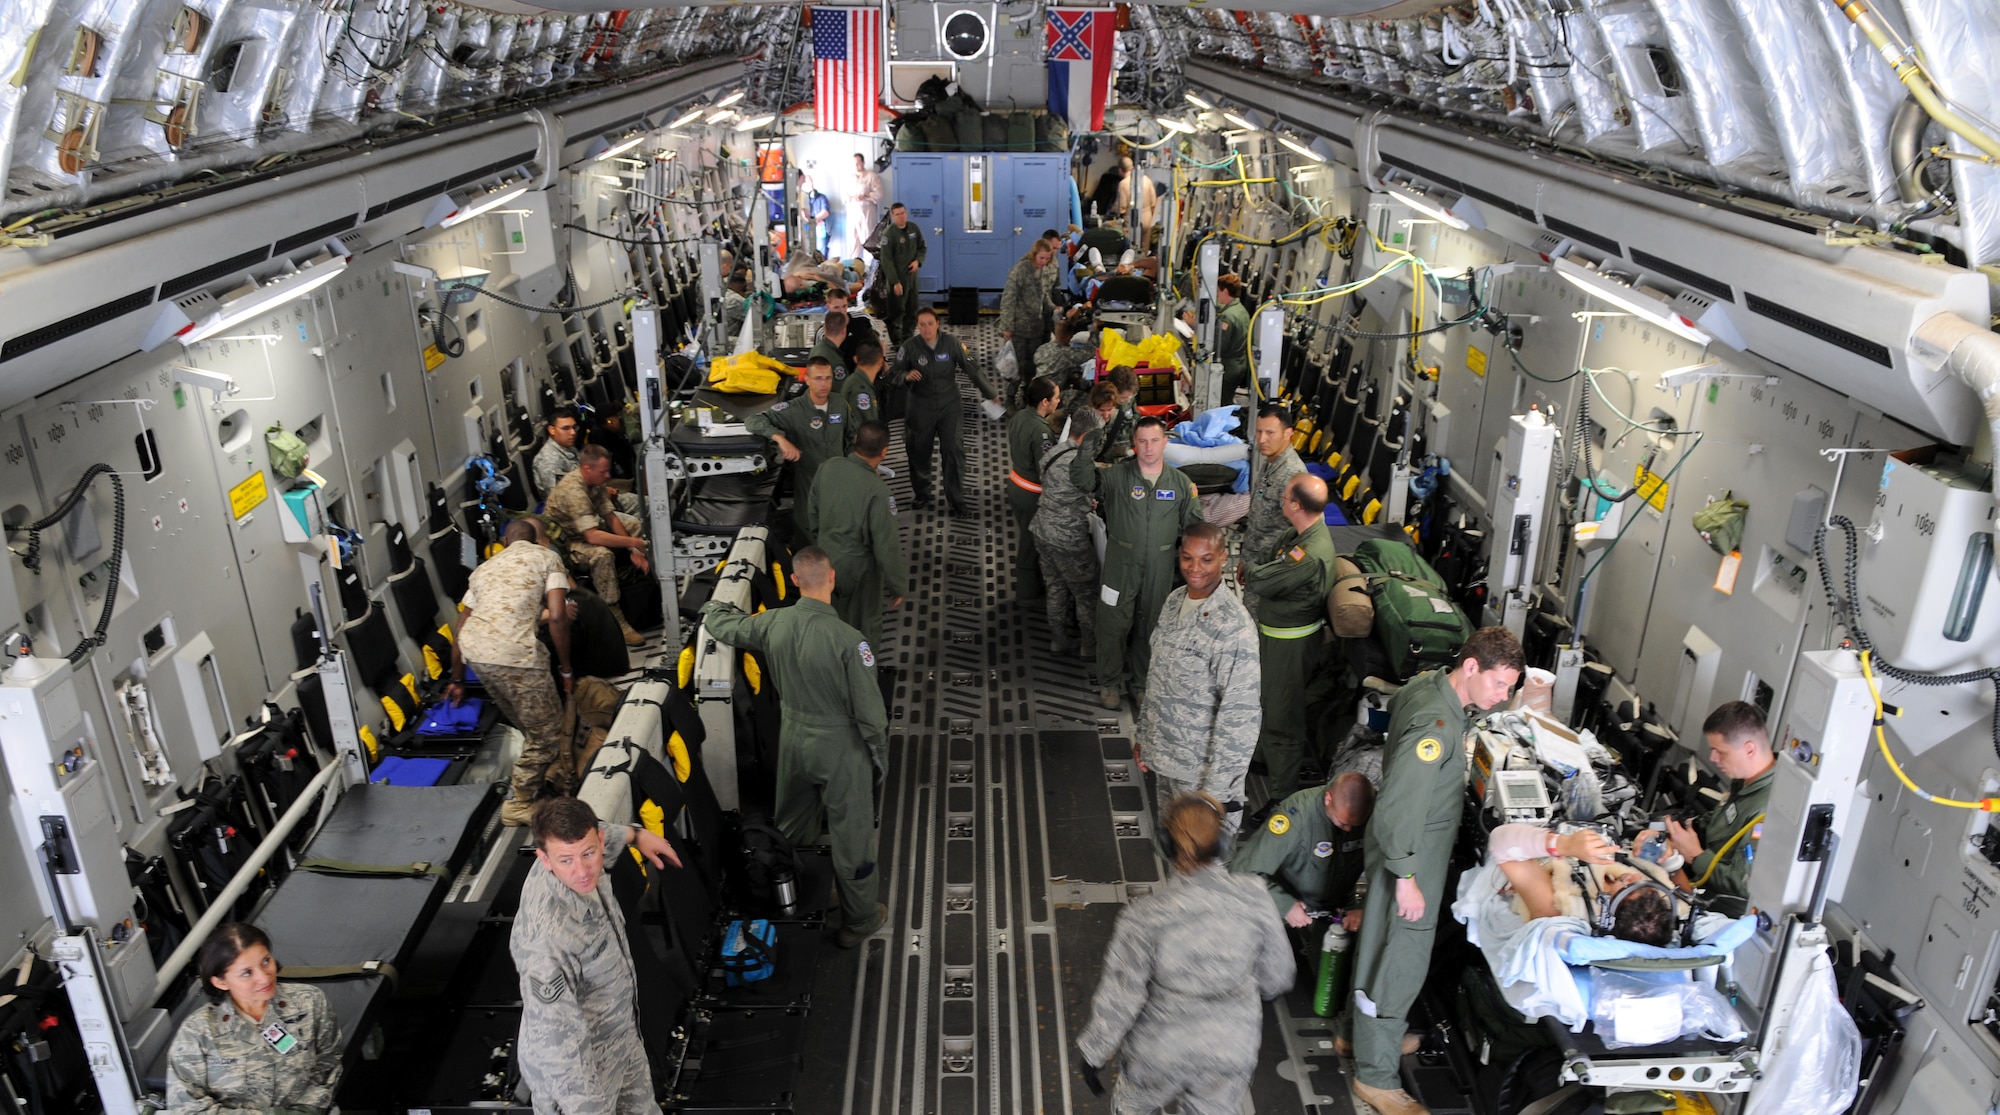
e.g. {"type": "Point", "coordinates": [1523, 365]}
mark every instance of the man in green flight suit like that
{"type": "Point", "coordinates": [832, 748]}
{"type": "Point", "coordinates": [1291, 582]}
{"type": "Point", "coordinates": [809, 433]}
{"type": "Point", "coordinates": [1232, 336]}
{"type": "Point", "coordinates": [1408, 848]}
{"type": "Point", "coordinates": [863, 384]}
{"type": "Point", "coordinates": [1722, 843]}
{"type": "Point", "coordinates": [854, 521]}
{"type": "Point", "coordinates": [1028, 437]}
{"type": "Point", "coordinates": [833, 331]}
{"type": "Point", "coordinates": [1146, 503]}
{"type": "Point", "coordinates": [1309, 851]}
{"type": "Point", "coordinates": [902, 252]}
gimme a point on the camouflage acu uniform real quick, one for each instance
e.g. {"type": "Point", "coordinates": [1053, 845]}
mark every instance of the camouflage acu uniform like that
{"type": "Point", "coordinates": [575, 507]}
{"type": "Point", "coordinates": [734, 307]}
{"type": "Point", "coordinates": [1266, 522]}
{"type": "Point", "coordinates": [506, 596]}
{"type": "Point", "coordinates": [580, 1052]}
{"type": "Point", "coordinates": [1069, 555]}
{"type": "Point", "coordinates": [221, 1063]}
{"type": "Point", "coordinates": [1180, 1000]}
{"type": "Point", "coordinates": [1024, 310]}
{"type": "Point", "coordinates": [1063, 363]}
{"type": "Point", "coordinates": [553, 461]}
{"type": "Point", "coordinates": [1199, 723]}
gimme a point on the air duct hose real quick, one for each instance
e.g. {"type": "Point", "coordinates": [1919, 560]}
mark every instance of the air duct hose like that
{"type": "Point", "coordinates": [1973, 355]}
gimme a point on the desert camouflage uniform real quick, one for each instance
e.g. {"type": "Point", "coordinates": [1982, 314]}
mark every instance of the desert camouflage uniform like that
{"type": "Point", "coordinates": [1069, 555]}
{"type": "Point", "coordinates": [579, 1051]}
{"type": "Point", "coordinates": [553, 461]}
{"type": "Point", "coordinates": [1266, 523]}
{"type": "Point", "coordinates": [1180, 1000]}
{"type": "Point", "coordinates": [506, 597]}
{"type": "Point", "coordinates": [1199, 723]}
{"type": "Point", "coordinates": [575, 507]}
{"type": "Point", "coordinates": [220, 1063]}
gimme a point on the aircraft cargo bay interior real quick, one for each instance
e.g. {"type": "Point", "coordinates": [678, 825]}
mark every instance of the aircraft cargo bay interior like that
{"type": "Point", "coordinates": [918, 557]}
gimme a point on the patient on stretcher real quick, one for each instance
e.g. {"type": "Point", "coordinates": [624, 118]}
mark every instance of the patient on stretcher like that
{"type": "Point", "coordinates": [1539, 885]}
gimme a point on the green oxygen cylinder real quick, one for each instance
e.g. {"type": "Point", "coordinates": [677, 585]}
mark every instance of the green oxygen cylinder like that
{"type": "Point", "coordinates": [1332, 969]}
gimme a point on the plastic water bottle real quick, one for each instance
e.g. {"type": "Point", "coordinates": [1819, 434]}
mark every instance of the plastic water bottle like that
{"type": "Point", "coordinates": [1332, 969]}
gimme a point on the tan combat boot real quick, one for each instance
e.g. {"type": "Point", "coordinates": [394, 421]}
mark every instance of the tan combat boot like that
{"type": "Point", "coordinates": [1387, 1102]}
{"type": "Point", "coordinates": [632, 636]}
{"type": "Point", "coordinates": [1345, 1048]}
{"type": "Point", "coordinates": [516, 812]}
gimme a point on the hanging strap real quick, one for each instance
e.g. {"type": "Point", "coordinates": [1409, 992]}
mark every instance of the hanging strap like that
{"type": "Point", "coordinates": [340, 971]}
{"type": "Point", "coordinates": [320, 865]}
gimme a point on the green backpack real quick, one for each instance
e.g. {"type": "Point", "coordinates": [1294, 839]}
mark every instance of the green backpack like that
{"type": "Point", "coordinates": [287, 452]}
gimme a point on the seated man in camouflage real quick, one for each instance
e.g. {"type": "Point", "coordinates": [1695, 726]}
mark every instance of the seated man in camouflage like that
{"type": "Point", "coordinates": [582, 512]}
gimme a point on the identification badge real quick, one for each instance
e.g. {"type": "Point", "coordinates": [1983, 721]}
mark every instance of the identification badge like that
{"type": "Point", "coordinates": [835, 418]}
{"type": "Point", "coordinates": [942, 357]}
{"type": "Point", "coordinates": [1164, 493]}
{"type": "Point", "coordinates": [280, 1038]}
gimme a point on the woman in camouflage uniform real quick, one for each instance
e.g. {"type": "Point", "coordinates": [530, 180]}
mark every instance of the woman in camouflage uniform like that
{"type": "Point", "coordinates": [257, 1044]}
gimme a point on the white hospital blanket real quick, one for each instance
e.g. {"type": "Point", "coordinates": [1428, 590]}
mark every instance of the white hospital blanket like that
{"type": "Point", "coordinates": [1523, 953]}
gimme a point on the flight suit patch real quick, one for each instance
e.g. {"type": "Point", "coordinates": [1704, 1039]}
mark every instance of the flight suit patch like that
{"type": "Point", "coordinates": [548, 991]}
{"type": "Point", "coordinates": [1138, 491]}
{"type": "Point", "coordinates": [1323, 849]}
{"type": "Point", "coordinates": [1164, 493]}
{"type": "Point", "coordinates": [776, 407]}
{"type": "Point", "coordinates": [861, 400]}
{"type": "Point", "coordinates": [1279, 824]}
{"type": "Point", "coordinates": [1296, 554]}
{"type": "Point", "coordinates": [817, 423]}
{"type": "Point", "coordinates": [835, 418]}
{"type": "Point", "coordinates": [1429, 748]}
{"type": "Point", "coordinates": [867, 656]}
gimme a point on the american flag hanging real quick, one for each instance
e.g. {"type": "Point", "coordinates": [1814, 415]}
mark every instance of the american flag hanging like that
{"type": "Point", "coordinates": [847, 68]}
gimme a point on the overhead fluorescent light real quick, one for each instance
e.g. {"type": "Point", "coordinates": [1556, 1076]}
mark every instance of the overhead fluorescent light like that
{"type": "Point", "coordinates": [1168, 123]}
{"type": "Point", "coordinates": [755, 122]}
{"type": "Point", "coordinates": [730, 99]}
{"type": "Point", "coordinates": [1239, 121]}
{"type": "Point", "coordinates": [455, 209]}
{"type": "Point", "coordinates": [719, 117]}
{"type": "Point", "coordinates": [1198, 102]}
{"type": "Point", "coordinates": [1301, 148]}
{"type": "Point", "coordinates": [1631, 299]}
{"type": "Point", "coordinates": [1452, 209]}
{"type": "Point", "coordinates": [693, 114]}
{"type": "Point", "coordinates": [613, 150]}
{"type": "Point", "coordinates": [254, 300]}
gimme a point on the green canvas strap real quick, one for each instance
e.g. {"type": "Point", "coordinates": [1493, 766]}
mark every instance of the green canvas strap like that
{"type": "Point", "coordinates": [319, 865]}
{"type": "Point", "coordinates": [339, 971]}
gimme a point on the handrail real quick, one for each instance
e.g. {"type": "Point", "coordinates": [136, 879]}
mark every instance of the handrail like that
{"type": "Point", "coordinates": [218, 910]}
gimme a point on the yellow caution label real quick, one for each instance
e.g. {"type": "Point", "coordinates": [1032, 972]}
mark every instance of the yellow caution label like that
{"type": "Point", "coordinates": [1475, 362]}
{"type": "Point", "coordinates": [432, 358]}
{"type": "Point", "coordinates": [1652, 488]}
{"type": "Point", "coordinates": [245, 497]}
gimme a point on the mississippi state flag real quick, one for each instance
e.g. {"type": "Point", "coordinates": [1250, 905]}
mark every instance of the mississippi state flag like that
{"type": "Point", "coordinates": [847, 68]}
{"type": "Point", "coordinates": [1080, 65]}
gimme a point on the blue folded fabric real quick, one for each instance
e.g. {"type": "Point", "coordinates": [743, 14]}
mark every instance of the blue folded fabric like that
{"type": "Point", "coordinates": [1210, 429]}
{"type": "Point", "coordinates": [398, 770]}
{"type": "Point", "coordinates": [1582, 948]}
{"type": "Point", "coordinates": [442, 719]}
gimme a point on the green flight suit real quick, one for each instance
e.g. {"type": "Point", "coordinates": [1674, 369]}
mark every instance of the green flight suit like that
{"type": "Point", "coordinates": [821, 435]}
{"type": "Point", "coordinates": [862, 396]}
{"type": "Point", "coordinates": [1142, 522]}
{"type": "Point", "coordinates": [1303, 856]}
{"type": "Point", "coordinates": [935, 411]}
{"type": "Point", "coordinates": [833, 742]}
{"type": "Point", "coordinates": [1232, 347]}
{"type": "Point", "coordinates": [855, 523]}
{"type": "Point", "coordinates": [1291, 585]}
{"type": "Point", "coordinates": [831, 351]}
{"type": "Point", "coordinates": [1728, 885]}
{"type": "Point", "coordinates": [900, 247]}
{"type": "Point", "coordinates": [1410, 836]}
{"type": "Point", "coordinates": [1028, 437]}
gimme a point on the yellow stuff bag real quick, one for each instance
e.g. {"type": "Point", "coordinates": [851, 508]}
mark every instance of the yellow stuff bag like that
{"type": "Point", "coordinates": [751, 373]}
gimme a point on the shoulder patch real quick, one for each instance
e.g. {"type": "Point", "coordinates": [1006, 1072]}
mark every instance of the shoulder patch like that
{"type": "Point", "coordinates": [1296, 554]}
{"type": "Point", "coordinates": [867, 656]}
{"type": "Point", "coordinates": [861, 400]}
{"type": "Point", "coordinates": [1429, 748]}
{"type": "Point", "coordinates": [1323, 849]}
{"type": "Point", "coordinates": [1279, 824]}
{"type": "Point", "coordinates": [817, 422]}
{"type": "Point", "coordinates": [775, 407]}
{"type": "Point", "coordinates": [549, 990]}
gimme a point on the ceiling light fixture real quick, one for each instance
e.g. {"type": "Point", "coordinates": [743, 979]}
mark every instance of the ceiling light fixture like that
{"type": "Point", "coordinates": [1451, 209]}
{"type": "Point", "coordinates": [1169, 124]}
{"type": "Point", "coordinates": [613, 150]}
{"type": "Point", "coordinates": [249, 301]}
{"type": "Point", "coordinates": [1632, 299]}
{"type": "Point", "coordinates": [458, 207]}
{"type": "Point", "coordinates": [1240, 122]}
{"type": "Point", "coordinates": [693, 114]}
{"type": "Point", "coordinates": [1198, 102]}
{"type": "Point", "coordinates": [1301, 148]}
{"type": "Point", "coordinates": [730, 99]}
{"type": "Point", "coordinates": [719, 117]}
{"type": "Point", "coordinates": [755, 122]}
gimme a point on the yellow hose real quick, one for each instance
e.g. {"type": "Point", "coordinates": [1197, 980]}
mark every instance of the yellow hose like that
{"type": "Point", "coordinates": [1911, 73]}
{"type": "Point", "coordinates": [1989, 805]}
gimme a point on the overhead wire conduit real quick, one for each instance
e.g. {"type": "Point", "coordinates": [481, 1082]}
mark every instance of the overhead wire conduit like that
{"type": "Point", "coordinates": [1910, 71]}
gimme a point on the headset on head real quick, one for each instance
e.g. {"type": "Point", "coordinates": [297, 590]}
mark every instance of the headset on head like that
{"type": "Point", "coordinates": [1215, 851]}
{"type": "Point", "coordinates": [1608, 904]}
